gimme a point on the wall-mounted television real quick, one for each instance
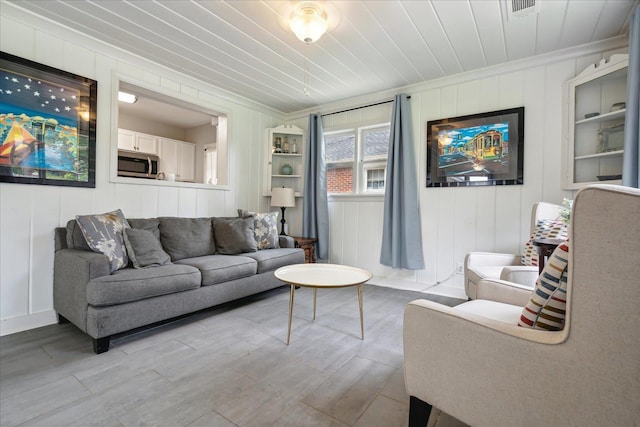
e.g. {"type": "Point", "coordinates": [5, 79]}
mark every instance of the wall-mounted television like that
{"type": "Point", "coordinates": [478, 149]}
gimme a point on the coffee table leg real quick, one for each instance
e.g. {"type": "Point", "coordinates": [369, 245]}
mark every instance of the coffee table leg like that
{"type": "Point", "coordinates": [315, 293]}
{"type": "Point", "coordinates": [291, 295]}
{"type": "Point", "coordinates": [361, 317]}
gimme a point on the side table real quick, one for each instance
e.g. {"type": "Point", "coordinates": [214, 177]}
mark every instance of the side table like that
{"type": "Point", "coordinates": [308, 244]}
{"type": "Point", "coordinates": [545, 248]}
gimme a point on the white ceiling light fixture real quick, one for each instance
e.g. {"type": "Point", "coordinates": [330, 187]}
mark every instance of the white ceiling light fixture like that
{"type": "Point", "coordinates": [129, 98]}
{"type": "Point", "coordinates": [308, 22]}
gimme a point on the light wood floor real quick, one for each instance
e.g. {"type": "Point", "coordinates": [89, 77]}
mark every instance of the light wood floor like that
{"type": "Point", "coordinates": [223, 367]}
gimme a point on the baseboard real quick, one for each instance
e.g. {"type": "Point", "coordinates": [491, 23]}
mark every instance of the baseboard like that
{"type": "Point", "coordinates": [30, 321]}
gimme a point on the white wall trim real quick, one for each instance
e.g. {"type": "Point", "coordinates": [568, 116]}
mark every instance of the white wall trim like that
{"type": "Point", "coordinates": [29, 321]}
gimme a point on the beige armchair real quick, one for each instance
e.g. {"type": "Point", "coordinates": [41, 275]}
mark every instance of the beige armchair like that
{"type": "Point", "coordinates": [473, 362]}
{"type": "Point", "coordinates": [488, 265]}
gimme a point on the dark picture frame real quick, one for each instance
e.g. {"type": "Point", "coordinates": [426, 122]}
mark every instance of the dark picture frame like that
{"type": "Point", "coordinates": [47, 125]}
{"type": "Point", "coordinates": [477, 149]}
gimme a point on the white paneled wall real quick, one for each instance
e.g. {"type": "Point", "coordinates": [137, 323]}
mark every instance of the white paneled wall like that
{"type": "Point", "coordinates": [29, 213]}
{"type": "Point", "coordinates": [456, 221]}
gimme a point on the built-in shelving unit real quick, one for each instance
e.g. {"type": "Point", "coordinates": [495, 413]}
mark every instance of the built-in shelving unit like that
{"type": "Point", "coordinates": [284, 147]}
{"type": "Point", "coordinates": [594, 124]}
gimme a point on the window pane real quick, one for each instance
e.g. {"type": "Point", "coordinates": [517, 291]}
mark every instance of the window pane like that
{"type": "Point", "coordinates": [375, 179]}
{"type": "Point", "coordinates": [339, 154]}
{"type": "Point", "coordinates": [339, 148]}
{"type": "Point", "coordinates": [376, 142]}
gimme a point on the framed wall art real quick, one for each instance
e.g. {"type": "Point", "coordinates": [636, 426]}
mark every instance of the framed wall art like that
{"type": "Point", "coordinates": [478, 149]}
{"type": "Point", "coordinates": [47, 124]}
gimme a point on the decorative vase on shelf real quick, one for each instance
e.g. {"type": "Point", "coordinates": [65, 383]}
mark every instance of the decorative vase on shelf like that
{"type": "Point", "coordinates": [285, 145]}
{"type": "Point", "coordinates": [286, 169]}
{"type": "Point", "coordinates": [294, 147]}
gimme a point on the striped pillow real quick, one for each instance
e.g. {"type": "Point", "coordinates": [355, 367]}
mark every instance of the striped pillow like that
{"type": "Point", "coordinates": [546, 308]}
{"type": "Point", "coordinates": [545, 229]}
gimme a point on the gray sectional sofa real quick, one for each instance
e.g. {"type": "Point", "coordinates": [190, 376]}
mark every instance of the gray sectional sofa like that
{"type": "Point", "coordinates": [203, 271]}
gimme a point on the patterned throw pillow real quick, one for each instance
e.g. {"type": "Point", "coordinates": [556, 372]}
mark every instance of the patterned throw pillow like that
{"type": "Point", "coordinates": [545, 229]}
{"type": "Point", "coordinates": [103, 234]}
{"type": "Point", "coordinates": [265, 228]}
{"type": "Point", "coordinates": [546, 308]}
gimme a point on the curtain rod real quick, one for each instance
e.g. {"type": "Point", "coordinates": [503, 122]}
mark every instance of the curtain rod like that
{"type": "Point", "coordinates": [357, 108]}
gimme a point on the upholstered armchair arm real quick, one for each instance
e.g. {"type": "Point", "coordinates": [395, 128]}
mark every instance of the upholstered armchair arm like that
{"type": "Point", "coordinates": [463, 364]}
{"type": "Point", "coordinates": [486, 259]}
{"type": "Point", "coordinates": [504, 291]}
{"type": "Point", "coordinates": [522, 274]}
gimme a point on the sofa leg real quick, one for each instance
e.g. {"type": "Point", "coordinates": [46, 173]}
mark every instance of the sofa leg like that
{"type": "Point", "coordinates": [419, 412]}
{"type": "Point", "coordinates": [62, 320]}
{"type": "Point", "coordinates": [101, 345]}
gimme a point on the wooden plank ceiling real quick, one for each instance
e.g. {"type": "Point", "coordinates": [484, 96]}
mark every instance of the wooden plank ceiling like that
{"type": "Point", "coordinates": [246, 47]}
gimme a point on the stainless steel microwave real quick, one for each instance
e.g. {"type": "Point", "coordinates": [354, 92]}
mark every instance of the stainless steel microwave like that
{"type": "Point", "coordinates": [138, 165]}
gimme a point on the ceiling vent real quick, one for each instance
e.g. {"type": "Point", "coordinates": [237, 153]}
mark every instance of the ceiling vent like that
{"type": "Point", "coordinates": [520, 8]}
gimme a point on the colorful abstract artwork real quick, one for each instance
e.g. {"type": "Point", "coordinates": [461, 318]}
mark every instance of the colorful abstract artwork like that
{"type": "Point", "coordinates": [47, 125]}
{"type": "Point", "coordinates": [478, 149]}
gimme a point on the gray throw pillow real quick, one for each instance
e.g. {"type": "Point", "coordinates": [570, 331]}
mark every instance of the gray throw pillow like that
{"type": "Point", "coordinates": [75, 238]}
{"type": "Point", "coordinates": [186, 237]}
{"type": "Point", "coordinates": [144, 249]}
{"type": "Point", "coordinates": [103, 234]}
{"type": "Point", "coordinates": [234, 236]}
{"type": "Point", "coordinates": [149, 224]}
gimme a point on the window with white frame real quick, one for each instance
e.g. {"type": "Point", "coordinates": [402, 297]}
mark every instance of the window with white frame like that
{"type": "Point", "coordinates": [357, 159]}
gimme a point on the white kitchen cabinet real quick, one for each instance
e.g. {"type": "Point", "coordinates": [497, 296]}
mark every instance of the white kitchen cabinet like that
{"type": "Point", "coordinates": [138, 142]}
{"type": "Point", "coordinates": [594, 124]}
{"type": "Point", "coordinates": [178, 158]}
{"type": "Point", "coordinates": [284, 146]}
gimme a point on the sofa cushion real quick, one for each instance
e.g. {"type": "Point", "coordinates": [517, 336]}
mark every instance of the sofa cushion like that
{"type": "Point", "coordinates": [103, 234]}
{"type": "Point", "coordinates": [546, 308]}
{"type": "Point", "coordinates": [545, 229]}
{"type": "Point", "coordinates": [131, 284]}
{"type": "Point", "coordinates": [144, 249]}
{"type": "Point", "coordinates": [222, 268]}
{"type": "Point", "coordinates": [149, 224]}
{"type": "Point", "coordinates": [265, 228]}
{"type": "Point", "coordinates": [272, 259]}
{"type": "Point", "coordinates": [234, 236]}
{"type": "Point", "coordinates": [74, 236]}
{"type": "Point", "coordinates": [186, 237]}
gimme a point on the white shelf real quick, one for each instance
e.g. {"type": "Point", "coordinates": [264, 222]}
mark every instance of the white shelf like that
{"type": "Point", "coordinates": [600, 155]}
{"type": "Point", "coordinates": [603, 117]}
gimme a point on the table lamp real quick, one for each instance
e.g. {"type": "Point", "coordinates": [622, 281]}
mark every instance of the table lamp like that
{"type": "Point", "coordinates": [283, 198]}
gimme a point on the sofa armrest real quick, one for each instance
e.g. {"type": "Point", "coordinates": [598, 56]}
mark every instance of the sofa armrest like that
{"type": "Point", "coordinates": [504, 291]}
{"type": "Point", "coordinates": [487, 259]}
{"type": "Point", "coordinates": [287, 242]}
{"type": "Point", "coordinates": [522, 274]}
{"type": "Point", "coordinates": [72, 271]}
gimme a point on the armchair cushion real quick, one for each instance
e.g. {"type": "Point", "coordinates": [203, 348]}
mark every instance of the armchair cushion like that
{"type": "Point", "coordinates": [545, 229]}
{"type": "Point", "coordinates": [547, 306]}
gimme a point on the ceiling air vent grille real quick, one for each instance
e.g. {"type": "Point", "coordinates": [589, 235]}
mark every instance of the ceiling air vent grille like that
{"type": "Point", "coordinates": [519, 8]}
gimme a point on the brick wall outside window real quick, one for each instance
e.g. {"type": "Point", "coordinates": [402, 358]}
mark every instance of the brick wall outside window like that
{"type": "Point", "coordinates": [340, 180]}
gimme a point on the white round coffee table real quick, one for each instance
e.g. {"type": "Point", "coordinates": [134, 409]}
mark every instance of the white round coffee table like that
{"type": "Point", "coordinates": [322, 276]}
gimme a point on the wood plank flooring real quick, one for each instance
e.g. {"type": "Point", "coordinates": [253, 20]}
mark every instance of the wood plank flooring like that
{"type": "Point", "coordinates": [227, 366]}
